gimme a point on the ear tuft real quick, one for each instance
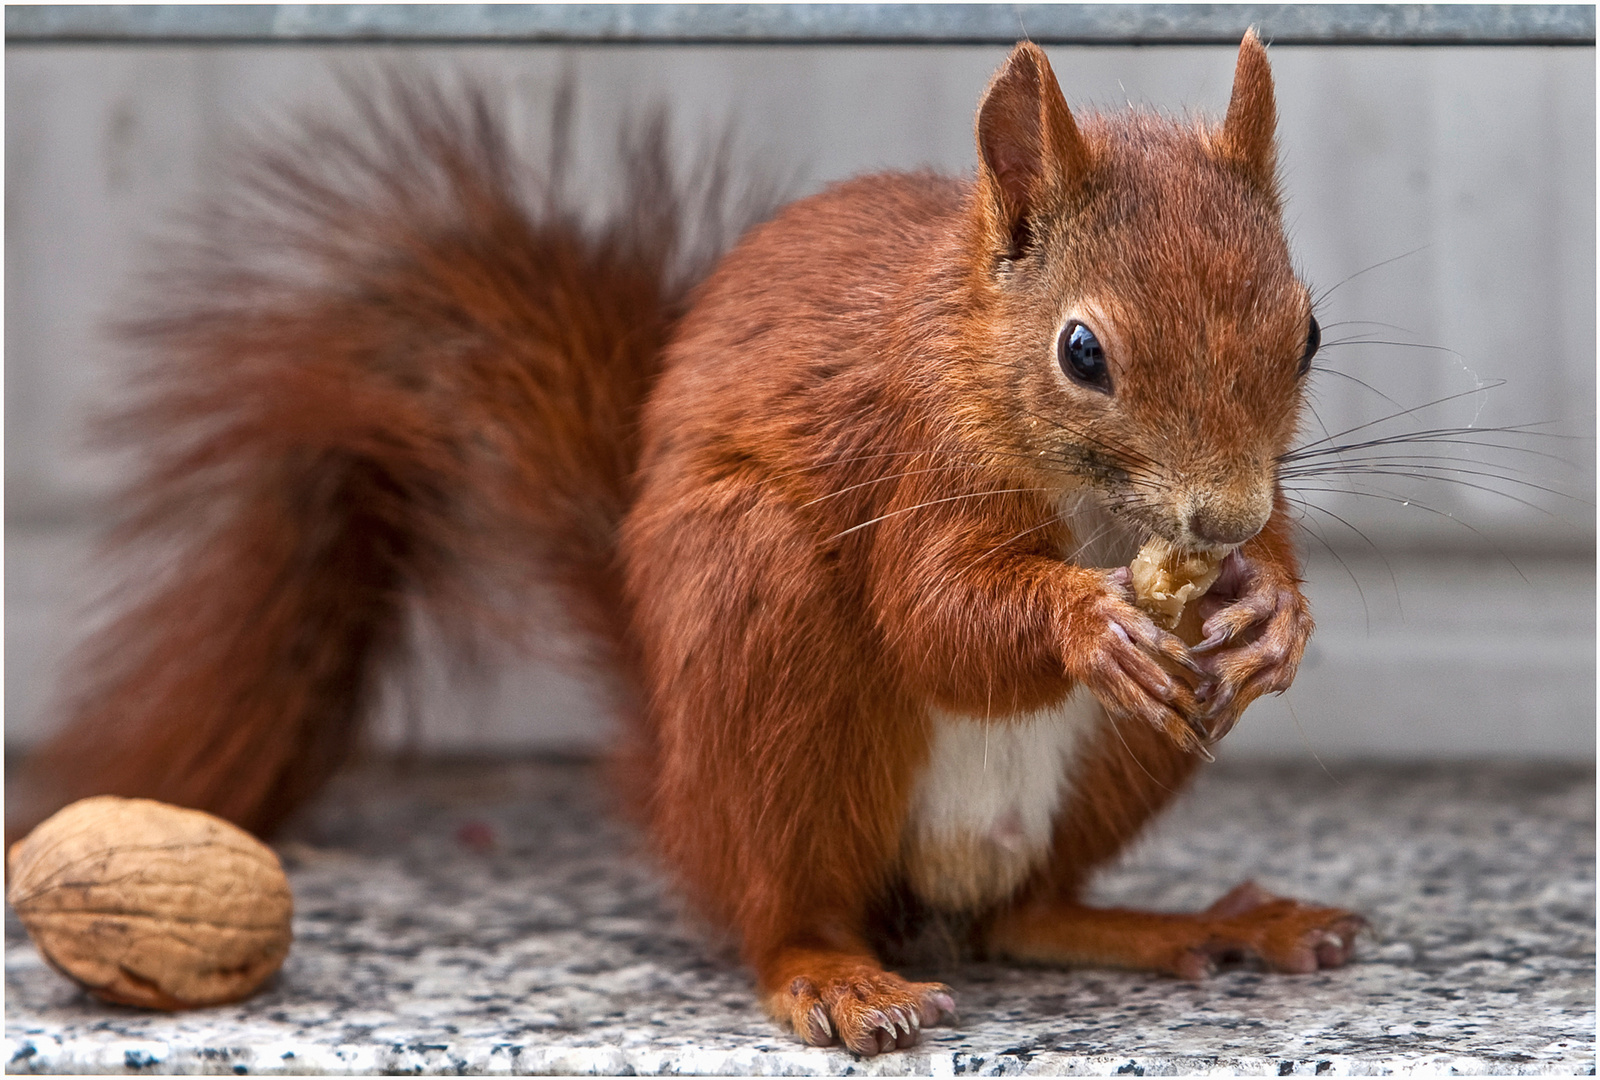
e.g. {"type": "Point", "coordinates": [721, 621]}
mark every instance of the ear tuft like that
{"type": "Point", "coordinates": [1030, 152]}
{"type": "Point", "coordinates": [1248, 132]}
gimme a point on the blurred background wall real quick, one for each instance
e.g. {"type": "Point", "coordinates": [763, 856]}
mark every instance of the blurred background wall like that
{"type": "Point", "coordinates": [1442, 201]}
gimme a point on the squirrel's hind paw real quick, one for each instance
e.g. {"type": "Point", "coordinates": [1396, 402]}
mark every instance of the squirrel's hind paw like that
{"type": "Point", "coordinates": [1248, 925]}
{"type": "Point", "coordinates": [1251, 924]}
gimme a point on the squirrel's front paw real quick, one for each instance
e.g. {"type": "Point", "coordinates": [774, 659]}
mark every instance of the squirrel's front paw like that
{"type": "Point", "coordinates": [1256, 626]}
{"type": "Point", "coordinates": [869, 1010]}
{"type": "Point", "coordinates": [1118, 652]}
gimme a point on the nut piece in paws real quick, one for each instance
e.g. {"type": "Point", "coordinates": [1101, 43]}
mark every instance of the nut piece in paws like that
{"type": "Point", "coordinates": [1166, 579]}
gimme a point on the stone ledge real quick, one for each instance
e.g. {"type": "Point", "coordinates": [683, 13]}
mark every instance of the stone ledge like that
{"type": "Point", "coordinates": [474, 918]}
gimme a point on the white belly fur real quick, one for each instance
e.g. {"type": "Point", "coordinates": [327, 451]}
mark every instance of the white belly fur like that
{"type": "Point", "coordinates": [984, 807]}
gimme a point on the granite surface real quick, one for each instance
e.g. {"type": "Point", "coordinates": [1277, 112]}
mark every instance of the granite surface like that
{"type": "Point", "coordinates": [473, 918]}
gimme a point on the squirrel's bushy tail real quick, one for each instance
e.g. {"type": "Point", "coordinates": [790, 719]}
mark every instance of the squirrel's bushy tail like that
{"type": "Point", "coordinates": [395, 370]}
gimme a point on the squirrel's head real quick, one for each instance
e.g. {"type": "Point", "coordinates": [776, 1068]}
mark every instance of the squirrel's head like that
{"type": "Point", "coordinates": [1139, 301]}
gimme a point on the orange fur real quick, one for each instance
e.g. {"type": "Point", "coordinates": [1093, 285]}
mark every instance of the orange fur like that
{"type": "Point", "coordinates": [829, 495]}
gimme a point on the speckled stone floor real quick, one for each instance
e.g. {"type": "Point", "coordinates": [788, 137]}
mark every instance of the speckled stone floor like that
{"type": "Point", "coordinates": [474, 918]}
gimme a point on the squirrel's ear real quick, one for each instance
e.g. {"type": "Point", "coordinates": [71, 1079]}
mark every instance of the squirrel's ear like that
{"type": "Point", "coordinates": [1247, 133]}
{"type": "Point", "coordinates": [1030, 152]}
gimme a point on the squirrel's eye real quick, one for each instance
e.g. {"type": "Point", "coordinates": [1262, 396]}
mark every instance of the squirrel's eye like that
{"type": "Point", "coordinates": [1079, 353]}
{"type": "Point", "coordinates": [1313, 343]}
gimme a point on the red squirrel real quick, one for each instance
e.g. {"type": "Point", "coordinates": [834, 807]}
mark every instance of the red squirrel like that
{"type": "Point", "coordinates": [851, 513]}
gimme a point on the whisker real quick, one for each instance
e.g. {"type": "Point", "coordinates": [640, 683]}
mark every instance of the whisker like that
{"type": "Point", "coordinates": [1305, 526]}
{"type": "Point", "coordinates": [1442, 474]}
{"type": "Point", "coordinates": [1321, 425]}
{"type": "Point", "coordinates": [1404, 501]}
{"type": "Point", "coordinates": [1080, 545]}
{"type": "Point", "coordinates": [1013, 539]}
{"type": "Point", "coordinates": [1306, 739]}
{"type": "Point", "coordinates": [1125, 453]}
{"type": "Point", "coordinates": [851, 459]}
{"type": "Point", "coordinates": [1061, 424]}
{"type": "Point", "coordinates": [1320, 461]}
{"type": "Point", "coordinates": [1321, 369]}
{"type": "Point", "coordinates": [1317, 301]}
{"type": "Point", "coordinates": [1388, 568]}
{"type": "Point", "coordinates": [884, 480]}
{"type": "Point", "coordinates": [1112, 716]}
{"type": "Point", "coordinates": [1343, 342]}
{"type": "Point", "coordinates": [935, 502]}
{"type": "Point", "coordinates": [1433, 437]}
{"type": "Point", "coordinates": [1398, 472]}
{"type": "Point", "coordinates": [1407, 412]}
{"type": "Point", "coordinates": [1368, 322]}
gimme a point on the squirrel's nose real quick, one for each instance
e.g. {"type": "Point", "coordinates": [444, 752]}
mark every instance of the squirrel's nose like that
{"type": "Point", "coordinates": [1227, 524]}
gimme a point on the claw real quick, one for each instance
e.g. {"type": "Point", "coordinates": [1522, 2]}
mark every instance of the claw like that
{"type": "Point", "coordinates": [1200, 736]}
{"type": "Point", "coordinates": [1220, 731]}
{"type": "Point", "coordinates": [821, 1029]}
{"type": "Point", "coordinates": [1168, 645]}
{"type": "Point", "coordinates": [943, 1006]}
{"type": "Point", "coordinates": [1332, 950]}
{"type": "Point", "coordinates": [864, 1009]}
{"type": "Point", "coordinates": [1195, 965]}
{"type": "Point", "coordinates": [1217, 704]}
{"type": "Point", "coordinates": [1179, 654]}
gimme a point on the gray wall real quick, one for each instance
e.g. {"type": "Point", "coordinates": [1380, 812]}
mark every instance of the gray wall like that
{"type": "Point", "coordinates": [1445, 196]}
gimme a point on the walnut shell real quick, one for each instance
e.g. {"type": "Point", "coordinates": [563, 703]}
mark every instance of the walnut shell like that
{"type": "Point", "coordinates": [151, 905]}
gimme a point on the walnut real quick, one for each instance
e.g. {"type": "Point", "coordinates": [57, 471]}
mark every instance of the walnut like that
{"type": "Point", "coordinates": [1166, 579]}
{"type": "Point", "coordinates": [152, 905]}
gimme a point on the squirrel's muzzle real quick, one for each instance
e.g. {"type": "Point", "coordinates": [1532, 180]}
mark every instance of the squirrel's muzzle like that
{"type": "Point", "coordinates": [1228, 518]}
